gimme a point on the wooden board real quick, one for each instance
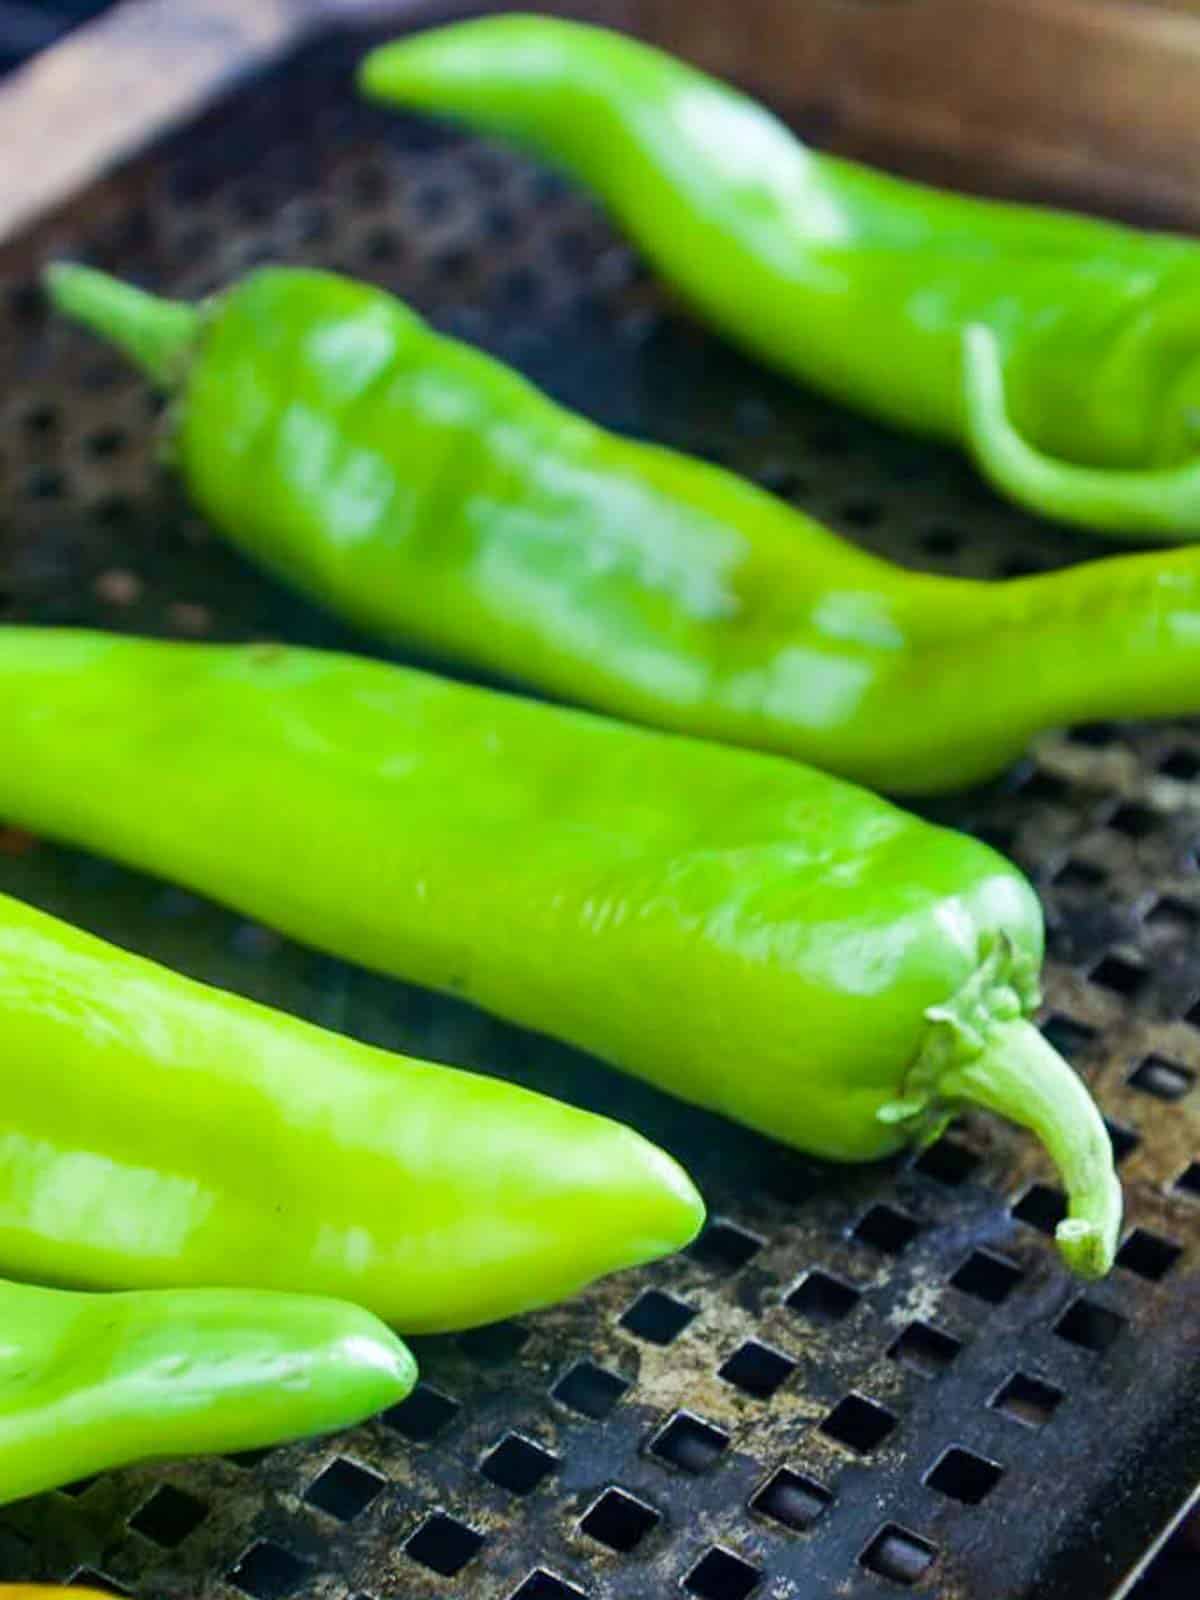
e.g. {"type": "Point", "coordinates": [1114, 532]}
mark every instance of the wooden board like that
{"type": "Point", "coordinates": [1089, 101]}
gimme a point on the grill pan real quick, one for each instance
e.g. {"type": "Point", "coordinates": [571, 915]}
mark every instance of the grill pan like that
{"type": "Point", "coordinates": [860, 1382]}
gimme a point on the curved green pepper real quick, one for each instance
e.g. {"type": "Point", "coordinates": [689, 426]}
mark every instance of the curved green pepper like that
{"type": "Point", "coordinates": [41, 1591]}
{"type": "Point", "coordinates": [1062, 352]}
{"type": "Point", "coordinates": [160, 1134]}
{"type": "Point", "coordinates": [92, 1381]}
{"type": "Point", "coordinates": [743, 931]}
{"type": "Point", "coordinates": [422, 489]}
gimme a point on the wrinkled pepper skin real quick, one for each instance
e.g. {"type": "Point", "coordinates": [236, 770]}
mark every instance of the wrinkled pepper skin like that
{"type": "Point", "coordinates": [161, 1134]}
{"type": "Point", "coordinates": [425, 491]}
{"type": "Point", "coordinates": [90, 1381]}
{"type": "Point", "coordinates": [745, 932]}
{"type": "Point", "coordinates": [1062, 352]}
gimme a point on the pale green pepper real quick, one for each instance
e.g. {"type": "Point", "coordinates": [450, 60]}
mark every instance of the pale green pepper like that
{"type": "Point", "coordinates": [92, 1381]}
{"type": "Point", "coordinates": [743, 931]}
{"type": "Point", "coordinates": [161, 1134]}
{"type": "Point", "coordinates": [1062, 352]}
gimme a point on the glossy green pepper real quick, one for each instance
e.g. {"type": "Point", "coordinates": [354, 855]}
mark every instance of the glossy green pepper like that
{"type": "Point", "coordinates": [1062, 352]}
{"type": "Point", "coordinates": [91, 1381]}
{"type": "Point", "coordinates": [161, 1134]}
{"type": "Point", "coordinates": [743, 931]}
{"type": "Point", "coordinates": [424, 490]}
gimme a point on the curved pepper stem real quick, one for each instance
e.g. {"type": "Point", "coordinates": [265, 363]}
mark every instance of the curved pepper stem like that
{"type": "Point", "coordinates": [156, 334]}
{"type": "Point", "coordinates": [1022, 1077]}
{"type": "Point", "coordinates": [1162, 503]}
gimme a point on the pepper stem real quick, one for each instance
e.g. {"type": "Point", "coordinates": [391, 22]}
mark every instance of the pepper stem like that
{"type": "Point", "coordinates": [1157, 503]}
{"type": "Point", "coordinates": [1021, 1076]}
{"type": "Point", "coordinates": [156, 334]}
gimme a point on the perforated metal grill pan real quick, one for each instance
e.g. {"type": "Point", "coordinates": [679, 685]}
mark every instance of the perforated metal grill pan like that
{"type": "Point", "coordinates": [860, 1382]}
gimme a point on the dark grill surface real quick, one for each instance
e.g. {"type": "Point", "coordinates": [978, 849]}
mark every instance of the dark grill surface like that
{"type": "Point", "coordinates": [860, 1381]}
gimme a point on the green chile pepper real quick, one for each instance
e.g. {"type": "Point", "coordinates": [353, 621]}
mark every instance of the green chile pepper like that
{"type": "Point", "coordinates": [1062, 352]}
{"type": "Point", "coordinates": [161, 1134]}
{"type": "Point", "coordinates": [92, 1381]}
{"type": "Point", "coordinates": [743, 931]}
{"type": "Point", "coordinates": [424, 490]}
{"type": "Point", "coordinates": [40, 1591]}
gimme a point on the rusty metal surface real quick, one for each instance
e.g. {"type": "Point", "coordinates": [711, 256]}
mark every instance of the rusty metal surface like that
{"type": "Point", "coordinates": [850, 1353]}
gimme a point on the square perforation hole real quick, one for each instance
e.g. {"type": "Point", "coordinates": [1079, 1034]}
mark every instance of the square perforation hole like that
{"type": "Point", "coordinates": [168, 1516]}
{"type": "Point", "coordinates": [689, 1443]}
{"type": "Point", "coordinates": [757, 1369]}
{"type": "Point", "coordinates": [720, 1575]}
{"type": "Point", "coordinates": [947, 1161]}
{"type": "Point", "coordinates": [494, 1344]}
{"type": "Point", "coordinates": [793, 1499]}
{"type": "Point", "coordinates": [1164, 1079]}
{"type": "Point", "coordinates": [823, 1298]}
{"type": "Point", "coordinates": [1181, 764]}
{"type": "Point", "coordinates": [899, 1555]}
{"type": "Point", "coordinates": [859, 1423]}
{"type": "Point", "coordinates": [1068, 1035]}
{"type": "Point", "coordinates": [964, 1476]}
{"type": "Point", "coordinates": [591, 1390]}
{"type": "Point", "coordinates": [941, 541]}
{"type": "Point", "coordinates": [1002, 840]}
{"type": "Point", "coordinates": [1148, 1254]}
{"type": "Point", "coordinates": [984, 1275]}
{"type": "Point", "coordinates": [344, 1489]}
{"type": "Point", "coordinates": [1124, 1140]}
{"type": "Point", "coordinates": [1120, 976]}
{"type": "Point", "coordinates": [1089, 1325]}
{"type": "Point", "coordinates": [543, 1585]}
{"type": "Point", "coordinates": [1134, 821]}
{"type": "Point", "coordinates": [1026, 1399]}
{"type": "Point", "coordinates": [517, 1464]}
{"type": "Point", "coordinates": [1045, 787]}
{"type": "Point", "coordinates": [79, 1487]}
{"type": "Point", "coordinates": [268, 1572]}
{"type": "Point", "coordinates": [1041, 1207]}
{"type": "Point", "coordinates": [424, 1415]}
{"type": "Point", "coordinates": [1082, 875]}
{"type": "Point", "coordinates": [925, 1349]}
{"type": "Point", "coordinates": [886, 1228]}
{"type": "Point", "coordinates": [443, 1544]}
{"type": "Point", "coordinates": [725, 1247]}
{"type": "Point", "coordinates": [619, 1520]}
{"type": "Point", "coordinates": [1173, 916]}
{"type": "Point", "coordinates": [1096, 735]}
{"type": "Point", "coordinates": [657, 1317]}
{"type": "Point", "coordinates": [1188, 1181]}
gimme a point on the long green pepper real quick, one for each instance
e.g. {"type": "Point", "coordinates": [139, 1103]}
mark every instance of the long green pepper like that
{"type": "Point", "coordinates": [424, 490]}
{"type": "Point", "coordinates": [745, 932]}
{"type": "Point", "coordinates": [1062, 352]}
{"type": "Point", "coordinates": [161, 1134]}
{"type": "Point", "coordinates": [93, 1381]}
